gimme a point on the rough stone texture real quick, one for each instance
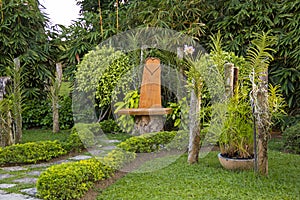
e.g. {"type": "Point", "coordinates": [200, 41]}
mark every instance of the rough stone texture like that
{"type": "Point", "coordinates": [34, 173]}
{"type": "Point", "coordinates": [3, 185]}
{"type": "Point", "coordinates": [25, 180]}
{"type": "Point", "coordinates": [112, 141]}
{"type": "Point", "coordinates": [5, 196]}
{"type": "Point", "coordinates": [80, 157]}
{"type": "Point", "coordinates": [108, 148]}
{"type": "Point", "coordinates": [4, 176]}
{"type": "Point", "coordinates": [60, 162]}
{"type": "Point", "coordinates": [40, 165]}
{"type": "Point", "coordinates": [13, 169]}
{"type": "Point", "coordinates": [148, 124]}
{"type": "Point", "coordinates": [30, 191]}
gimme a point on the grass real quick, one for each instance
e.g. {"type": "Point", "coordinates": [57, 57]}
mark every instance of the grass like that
{"type": "Point", "coordinates": [208, 180]}
{"type": "Point", "coordinates": [34, 135]}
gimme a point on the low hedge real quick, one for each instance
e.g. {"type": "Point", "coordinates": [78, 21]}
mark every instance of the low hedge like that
{"type": "Point", "coordinates": [151, 142]}
{"type": "Point", "coordinates": [31, 152]}
{"type": "Point", "coordinates": [72, 180]}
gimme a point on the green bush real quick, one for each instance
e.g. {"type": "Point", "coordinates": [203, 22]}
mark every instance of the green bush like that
{"type": "Point", "coordinates": [110, 126]}
{"type": "Point", "coordinates": [117, 158]}
{"type": "Point", "coordinates": [72, 180]}
{"type": "Point", "coordinates": [149, 142]}
{"type": "Point", "coordinates": [291, 138]}
{"type": "Point", "coordinates": [39, 113]}
{"type": "Point", "coordinates": [74, 142]}
{"type": "Point", "coordinates": [31, 152]}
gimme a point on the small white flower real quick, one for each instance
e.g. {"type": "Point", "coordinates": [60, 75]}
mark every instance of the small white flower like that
{"type": "Point", "coordinates": [188, 50]}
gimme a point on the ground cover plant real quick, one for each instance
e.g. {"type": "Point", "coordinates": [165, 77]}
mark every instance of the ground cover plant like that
{"type": "Point", "coordinates": [208, 180]}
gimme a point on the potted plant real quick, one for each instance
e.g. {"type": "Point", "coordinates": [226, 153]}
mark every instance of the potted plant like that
{"type": "Point", "coordinates": [236, 139]}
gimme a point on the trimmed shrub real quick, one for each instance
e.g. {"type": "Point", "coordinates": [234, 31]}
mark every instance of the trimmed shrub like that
{"type": "Point", "coordinates": [149, 142]}
{"type": "Point", "coordinates": [82, 136]}
{"type": "Point", "coordinates": [72, 180]}
{"type": "Point", "coordinates": [117, 158]}
{"type": "Point", "coordinates": [31, 152]}
{"type": "Point", "coordinates": [291, 138]}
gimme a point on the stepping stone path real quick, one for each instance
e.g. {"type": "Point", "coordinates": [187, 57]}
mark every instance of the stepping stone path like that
{"type": "Point", "coordinates": [28, 174]}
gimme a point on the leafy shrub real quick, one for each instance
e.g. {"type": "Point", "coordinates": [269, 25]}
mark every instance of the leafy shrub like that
{"type": "Point", "coordinates": [110, 126]}
{"type": "Point", "coordinates": [74, 142]}
{"type": "Point", "coordinates": [31, 152]}
{"type": "Point", "coordinates": [117, 158]}
{"type": "Point", "coordinates": [39, 113]}
{"type": "Point", "coordinates": [149, 142]}
{"type": "Point", "coordinates": [291, 138]}
{"type": "Point", "coordinates": [72, 180]}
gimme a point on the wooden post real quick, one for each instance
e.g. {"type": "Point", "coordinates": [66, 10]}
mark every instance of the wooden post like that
{"type": "Point", "coordinates": [17, 102]}
{"type": "Point", "coordinates": [55, 97]}
{"type": "Point", "coordinates": [194, 138]}
{"type": "Point", "coordinates": [263, 123]}
{"type": "Point", "coordinates": [229, 79]}
{"type": "Point", "coordinates": [7, 133]}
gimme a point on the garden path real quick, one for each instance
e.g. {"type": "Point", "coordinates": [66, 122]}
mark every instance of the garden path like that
{"type": "Point", "coordinates": [19, 182]}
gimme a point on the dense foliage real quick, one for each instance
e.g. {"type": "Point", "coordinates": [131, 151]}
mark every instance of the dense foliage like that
{"type": "Point", "coordinates": [237, 21]}
{"type": "Point", "coordinates": [31, 152]}
{"type": "Point", "coordinates": [39, 113]}
{"type": "Point", "coordinates": [291, 138]}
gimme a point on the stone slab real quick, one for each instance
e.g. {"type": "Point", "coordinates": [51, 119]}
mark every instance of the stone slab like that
{"type": "Point", "coordinates": [25, 180]}
{"type": "Point", "coordinates": [40, 165]}
{"type": "Point", "coordinates": [30, 191]}
{"type": "Point", "coordinates": [4, 185]}
{"type": "Point", "coordinates": [80, 157]}
{"type": "Point", "coordinates": [14, 169]}
{"type": "Point", "coordinates": [108, 148]}
{"type": "Point", "coordinates": [16, 197]}
{"type": "Point", "coordinates": [34, 173]}
{"type": "Point", "coordinates": [4, 176]}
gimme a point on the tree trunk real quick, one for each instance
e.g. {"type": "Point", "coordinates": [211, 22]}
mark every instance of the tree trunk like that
{"type": "Point", "coordinates": [55, 98]}
{"type": "Point", "coordinates": [194, 140]}
{"type": "Point", "coordinates": [263, 123]}
{"type": "Point", "coordinates": [17, 102]}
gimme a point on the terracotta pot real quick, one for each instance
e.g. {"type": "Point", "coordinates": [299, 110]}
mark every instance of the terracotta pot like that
{"type": "Point", "coordinates": [236, 164]}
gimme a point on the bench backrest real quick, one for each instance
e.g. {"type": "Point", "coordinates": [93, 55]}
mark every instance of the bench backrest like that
{"type": "Point", "coordinates": [150, 94]}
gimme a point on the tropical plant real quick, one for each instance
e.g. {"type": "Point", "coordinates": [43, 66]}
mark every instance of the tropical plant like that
{"type": "Point", "coordinates": [99, 74]}
{"type": "Point", "coordinates": [23, 36]}
{"type": "Point", "coordinates": [131, 100]}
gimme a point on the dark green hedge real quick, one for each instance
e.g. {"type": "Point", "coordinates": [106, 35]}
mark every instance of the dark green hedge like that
{"type": "Point", "coordinates": [291, 138]}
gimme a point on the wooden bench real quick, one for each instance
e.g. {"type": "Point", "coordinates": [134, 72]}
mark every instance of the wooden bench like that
{"type": "Point", "coordinates": [149, 115]}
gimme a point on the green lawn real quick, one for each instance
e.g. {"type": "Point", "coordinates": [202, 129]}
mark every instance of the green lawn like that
{"type": "Point", "coordinates": [34, 135]}
{"type": "Point", "coordinates": [208, 180]}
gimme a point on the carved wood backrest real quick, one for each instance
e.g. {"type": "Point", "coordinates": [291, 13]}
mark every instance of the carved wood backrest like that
{"type": "Point", "coordinates": [150, 94]}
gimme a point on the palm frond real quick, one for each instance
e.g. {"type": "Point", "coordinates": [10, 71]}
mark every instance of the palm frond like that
{"type": "Point", "coordinates": [259, 54]}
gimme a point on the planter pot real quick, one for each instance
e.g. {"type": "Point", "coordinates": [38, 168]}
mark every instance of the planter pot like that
{"type": "Point", "coordinates": [236, 164]}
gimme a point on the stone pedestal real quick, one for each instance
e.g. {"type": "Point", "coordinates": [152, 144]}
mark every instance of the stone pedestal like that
{"type": "Point", "coordinates": [148, 124]}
